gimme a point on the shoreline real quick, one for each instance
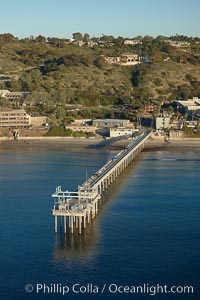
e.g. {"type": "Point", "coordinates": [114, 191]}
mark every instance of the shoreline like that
{"type": "Point", "coordinates": [96, 144]}
{"type": "Point", "coordinates": [173, 143]}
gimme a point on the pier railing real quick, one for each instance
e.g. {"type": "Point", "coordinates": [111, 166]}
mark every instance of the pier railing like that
{"type": "Point", "coordinates": [79, 207]}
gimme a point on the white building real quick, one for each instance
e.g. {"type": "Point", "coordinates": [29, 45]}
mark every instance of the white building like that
{"type": "Point", "coordinates": [113, 60]}
{"type": "Point", "coordinates": [132, 42]}
{"type": "Point", "coordinates": [122, 131]}
{"type": "Point", "coordinates": [190, 104]}
{"type": "Point", "coordinates": [179, 44]}
{"type": "Point", "coordinates": [162, 122]}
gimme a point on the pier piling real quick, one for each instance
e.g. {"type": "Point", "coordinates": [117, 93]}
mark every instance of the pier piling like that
{"type": "Point", "coordinates": [79, 207]}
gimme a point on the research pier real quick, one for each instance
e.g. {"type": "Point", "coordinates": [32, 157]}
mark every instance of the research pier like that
{"type": "Point", "coordinates": [77, 209]}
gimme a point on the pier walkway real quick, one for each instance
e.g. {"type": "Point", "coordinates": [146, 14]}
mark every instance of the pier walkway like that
{"type": "Point", "coordinates": [79, 207]}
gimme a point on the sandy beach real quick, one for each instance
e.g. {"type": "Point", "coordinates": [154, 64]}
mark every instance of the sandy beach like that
{"type": "Point", "coordinates": [72, 144]}
{"type": "Point", "coordinates": [159, 144]}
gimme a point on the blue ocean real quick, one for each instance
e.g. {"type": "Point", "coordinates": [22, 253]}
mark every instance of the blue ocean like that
{"type": "Point", "coordinates": [147, 231]}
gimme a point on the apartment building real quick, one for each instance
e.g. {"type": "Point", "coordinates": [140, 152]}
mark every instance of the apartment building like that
{"type": "Point", "coordinates": [14, 118]}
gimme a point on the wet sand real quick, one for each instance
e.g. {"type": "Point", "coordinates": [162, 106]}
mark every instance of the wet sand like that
{"type": "Point", "coordinates": [64, 144]}
{"type": "Point", "coordinates": [96, 144]}
{"type": "Point", "coordinates": [179, 143]}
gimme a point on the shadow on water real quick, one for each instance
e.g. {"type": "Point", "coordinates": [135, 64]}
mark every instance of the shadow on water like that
{"type": "Point", "coordinates": [69, 247]}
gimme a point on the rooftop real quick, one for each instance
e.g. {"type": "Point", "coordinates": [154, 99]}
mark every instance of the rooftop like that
{"type": "Point", "coordinates": [7, 109]}
{"type": "Point", "coordinates": [112, 120]}
{"type": "Point", "coordinates": [190, 102]}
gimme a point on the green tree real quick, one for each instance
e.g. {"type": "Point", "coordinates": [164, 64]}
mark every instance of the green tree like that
{"type": "Point", "coordinates": [157, 56]}
{"type": "Point", "coordinates": [68, 132]}
{"type": "Point", "coordinates": [13, 85]}
{"type": "Point", "coordinates": [170, 110]}
{"type": "Point", "coordinates": [86, 37]}
{"type": "Point", "coordinates": [5, 102]}
{"type": "Point", "coordinates": [6, 38]}
{"type": "Point", "coordinates": [56, 131]}
{"type": "Point", "coordinates": [40, 39]}
{"type": "Point", "coordinates": [198, 124]}
{"type": "Point", "coordinates": [77, 36]}
{"type": "Point", "coordinates": [31, 80]}
{"type": "Point", "coordinates": [107, 38]}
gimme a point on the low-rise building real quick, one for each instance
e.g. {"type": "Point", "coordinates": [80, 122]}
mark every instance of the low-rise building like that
{"type": "Point", "coordinates": [82, 122]}
{"type": "Point", "coordinates": [129, 59]}
{"type": "Point", "coordinates": [18, 118]}
{"type": "Point", "coordinates": [122, 131]}
{"type": "Point", "coordinates": [14, 118]}
{"type": "Point", "coordinates": [102, 123]}
{"type": "Point", "coordinates": [5, 78]}
{"type": "Point", "coordinates": [3, 93]}
{"type": "Point", "coordinates": [132, 42]}
{"type": "Point", "coordinates": [179, 44]}
{"type": "Point", "coordinates": [38, 121]}
{"type": "Point", "coordinates": [12, 95]}
{"type": "Point", "coordinates": [176, 134]}
{"type": "Point", "coordinates": [162, 122]}
{"type": "Point", "coordinates": [145, 59]}
{"type": "Point", "coordinates": [176, 124]}
{"type": "Point", "coordinates": [81, 128]}
{"type": "Point", "coordinates": [189, 105]}
{"type": "Point", "coordinates": [112, 60]}
{"type": "Point", "coordinates": [150, 108]}
{"type": "Point", "coordinates": [126, 59]}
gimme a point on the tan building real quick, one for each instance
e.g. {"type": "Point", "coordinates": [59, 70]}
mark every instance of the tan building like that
{"type": "Point", "coordinates": [82, 122]}
{"type": "Point", "coordinates": [176, 134]}
{"type": "Point", "coordinates": [14, 118]}
{"type": "Point", "coordinates": [18, 118]}
{"type": "Point", "coordinates": [81, 128]}
{"type": "Point", "coordinates": [38, 121]}
{"type": "Point", "coordinates": [150, 108]}
{"type": "Point", "coordinates": [129, 59]}
{"type": "Point", "coordinates": [12, 95]}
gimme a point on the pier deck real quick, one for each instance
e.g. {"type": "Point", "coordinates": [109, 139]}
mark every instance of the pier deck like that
{"type": "Point", "coordinates": [78, 208]}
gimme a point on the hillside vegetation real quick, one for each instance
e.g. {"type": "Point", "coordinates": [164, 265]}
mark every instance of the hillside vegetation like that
{"type": "Point", "coordinates": [58, 74]}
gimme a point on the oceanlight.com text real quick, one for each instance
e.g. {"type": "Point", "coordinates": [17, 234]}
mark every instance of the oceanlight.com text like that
{"type": "Point", "coordinates": [111, 288]}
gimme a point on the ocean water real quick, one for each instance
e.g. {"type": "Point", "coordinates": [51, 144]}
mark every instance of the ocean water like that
{"type": "Point", "coordinates": [147, 230]}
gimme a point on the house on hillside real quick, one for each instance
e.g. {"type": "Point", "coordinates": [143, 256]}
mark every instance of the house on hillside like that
{"type": "Point", "coordinates": [113, 60]}
{"type": "Point", "coordinates": [179, 44]}
{"type": "Point", "coordinates": [132, 42]}
{"type": "Point", "coordinates": [12, 95]}
{"type": "Point", "coordinates": [129, 59]}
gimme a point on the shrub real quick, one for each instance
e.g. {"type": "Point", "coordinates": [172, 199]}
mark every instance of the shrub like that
{"type": "Point", "coordinates": [59, 131]}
